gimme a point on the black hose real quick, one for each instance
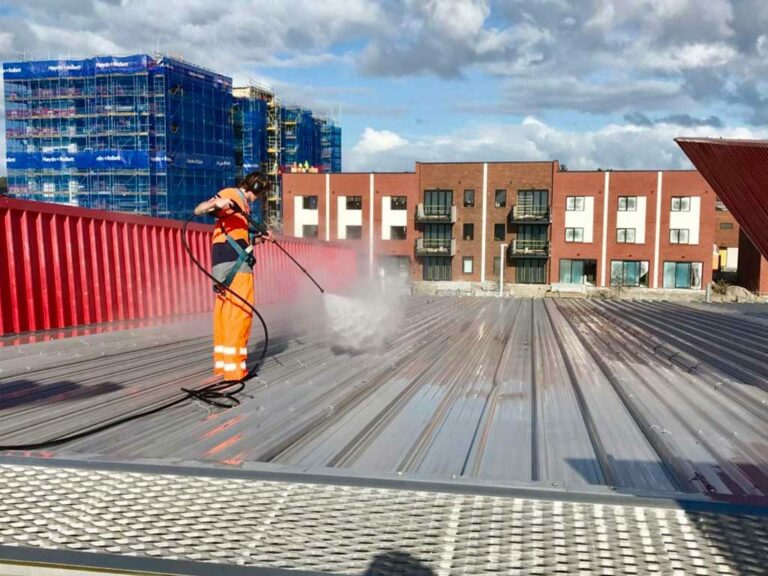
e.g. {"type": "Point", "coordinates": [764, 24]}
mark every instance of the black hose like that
{"type": "Point", "coordinates": [220, 394]}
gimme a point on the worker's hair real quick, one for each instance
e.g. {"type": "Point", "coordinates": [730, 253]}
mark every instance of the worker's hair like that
{"type": "Point", "coordinates": [255, 182]}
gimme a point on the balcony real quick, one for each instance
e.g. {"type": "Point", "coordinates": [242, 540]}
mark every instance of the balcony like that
{"type": "Point", "coordinates": [526, 214]}
{"type": "Point", "coordinates": [436, 247]}
{"type": "Point", "coordinates": [528, 249]}
{"type": "Point", "coordinates": [431, 214]}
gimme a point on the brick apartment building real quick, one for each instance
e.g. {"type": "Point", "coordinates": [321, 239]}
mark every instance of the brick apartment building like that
{"type": "Point", "coordinates": [374, 212]}
{"type": "Point", "coordinates": [530, 221]}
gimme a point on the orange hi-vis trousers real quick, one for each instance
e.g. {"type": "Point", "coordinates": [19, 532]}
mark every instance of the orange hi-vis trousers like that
{"type": "Point", "coordinates": [231, 328]}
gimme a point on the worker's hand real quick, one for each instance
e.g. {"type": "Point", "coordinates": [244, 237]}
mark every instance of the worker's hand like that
{"type": "Point", "coordinates": [258, 240]}
{"type": "Point", "coordinates": [269, 237]}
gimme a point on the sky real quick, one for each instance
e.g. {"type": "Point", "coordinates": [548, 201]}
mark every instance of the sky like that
{"type": "Point", "coordinates": [592, 83]}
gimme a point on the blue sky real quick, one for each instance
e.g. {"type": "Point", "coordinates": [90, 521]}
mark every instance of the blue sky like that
{"type": "Point", "coordinates": [593, 83]}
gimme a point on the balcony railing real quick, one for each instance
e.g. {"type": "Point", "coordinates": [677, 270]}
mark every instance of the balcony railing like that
{"type": "Point", "coordinates": [435, 247]}
{"type": "Point", "coordinates": [436, 213]}
{"type": "Point", "coordinates": [528, 248]}
{"type": "Point", "coordinates": [528, 213]}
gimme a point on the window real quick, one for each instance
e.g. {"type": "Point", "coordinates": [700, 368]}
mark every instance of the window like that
{"type": "Point", "coordinates": [682, 275]}
{"type": "Point", "coordinates": [531, 271]}
{"type": "Point", "coordinates": [625, 235]}
{"type": "Point", "coordinates": [467, 264]}
{"type": "Point", "coordinates": [574, 203]}
{"type": "Point", "coordinates": [397, 232]}
{"type": "Point", "coordinates": [469, 198]}
{"type": "Point", "coordinates": [309, 202]}
{"type": "Point", "coordinates": [681, 204]}
{"type": "Point", "coordinates": [438, 203]}
{"type": "Point", "coordinates": [354, 202]}
{"type": "Point", "coordinates": [499, 231]}
{"type": "Point", "coordinates": [496, 265]}
{"type": "Point", "coordinates": [574, 234]}
{"type": "Point", "coordinates": [436, 269]}
{"type": "Point", "coordinates": [309, 230]}
{"type": "Point", "coordinates": [629, 273]}
{"type": "Point", "coordinates": [501, 199]}
{"type": "Point", "coordinates": [678, 236]}
{"type": "Point", "coordinates": [354, 232]}
{"type": "Point", "coordinates": [398, 203]}
{"type": "Point", "coordinates": [468, 232]}
{"type": "Point", "coordinates": [578, 271]}
{"type": "Point", "coordinates": [627, 203]}
{"type": "Point", "coordinates": [726, 225]}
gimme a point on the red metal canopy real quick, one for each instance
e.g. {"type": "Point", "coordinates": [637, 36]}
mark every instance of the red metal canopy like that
{"type": "Point", "coordinates": [738, 172]}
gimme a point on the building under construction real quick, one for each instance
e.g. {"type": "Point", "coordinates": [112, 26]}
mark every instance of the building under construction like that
{"type": "Point", "coordinates": [134, 134]}
{"type": "Point", "coordinates": [149, 135]}
{"type": "Point", "coordinates": [278, 138]}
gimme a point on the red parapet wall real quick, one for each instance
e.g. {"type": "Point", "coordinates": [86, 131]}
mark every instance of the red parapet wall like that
{"type": "Point", "coordinates": [62, 266]}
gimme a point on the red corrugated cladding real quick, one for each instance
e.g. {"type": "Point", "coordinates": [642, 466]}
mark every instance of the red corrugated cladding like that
{"type": "Point", "coordinates": [738, 172]}
{"type": "Point", "coordinates": [62, 266]}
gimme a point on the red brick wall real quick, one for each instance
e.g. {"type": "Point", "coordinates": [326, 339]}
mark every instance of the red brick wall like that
{"type": "Point", "coordinates": [510, 176]}
{"type": "Point", "coordinates": [753, 268]}
{"type": "Point", "coordinates": [513, 177]}
{"type": "Point", "coordinates": [576, 184]}
{"type": "Point", "coordinates": [456, 177]}
{"type": "Point", "coordinates": [303, 185]}
{"type": "Point", "coordinates": [726, 238]}
{"type": "Point", "coordinates": [640, 184]}
{"type": "Point", "coordinates": [354, 184]}
{"type": "Point", "coordinates": [400, 184]}
{"type": "Point", "coordinates": [688, 183]}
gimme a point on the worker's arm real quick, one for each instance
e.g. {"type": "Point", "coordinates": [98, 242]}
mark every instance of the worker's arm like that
{"type": "Point", "coordinates": [212, 205]}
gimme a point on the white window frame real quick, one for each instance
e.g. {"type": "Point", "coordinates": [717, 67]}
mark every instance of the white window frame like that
{"type": "Point", "coordinates": [683, 204]}
{"type": "Point", "coordinates": [576, 235]}
{"type": "Point", "coordinates": [574, 203]}
{"type": "Point", "coordinates": [626, 235]}
{"type": "Point", "coordinates": [676, 236]}
{"type": "Point", "coordinates": [628, 206]}
{"type": "Point", "coordinates": [467, 260]}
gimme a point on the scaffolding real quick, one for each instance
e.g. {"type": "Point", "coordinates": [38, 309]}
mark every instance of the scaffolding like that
{"type": "Point", "coordinates": [330, 145]}
{"type": "Point", "coordinates": [130, 134]}
{"type": "Point", "coordinates": [151, 134]}
{"type": "Point", "coordinates": [77, 132]}
{"type": "Point", "coordinates": [257, 141]}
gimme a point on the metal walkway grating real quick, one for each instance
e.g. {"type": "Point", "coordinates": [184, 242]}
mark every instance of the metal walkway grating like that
{"type": "Point", "coordinates": [342, 529]}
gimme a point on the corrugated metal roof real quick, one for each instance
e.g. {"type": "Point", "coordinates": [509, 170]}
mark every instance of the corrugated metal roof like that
{"type": "Point", "coordinates": [643, 396]}
{"type": "Point", "coordinates": [738, 172]}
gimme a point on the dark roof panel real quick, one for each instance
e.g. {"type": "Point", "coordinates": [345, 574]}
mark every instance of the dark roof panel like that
{"type": "Point", "coordinates": [738, 172]}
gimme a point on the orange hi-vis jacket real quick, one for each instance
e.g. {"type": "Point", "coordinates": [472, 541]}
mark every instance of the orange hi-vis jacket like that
{"type": "Point", "coordinates": [231, 318]}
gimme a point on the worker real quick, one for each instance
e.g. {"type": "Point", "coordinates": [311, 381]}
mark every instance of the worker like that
{"type": "Point", "coordinates": [232, 262]}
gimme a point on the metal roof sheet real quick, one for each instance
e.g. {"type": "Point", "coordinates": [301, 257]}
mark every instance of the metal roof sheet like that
{"type": "Point", "coordinates": [642, 397]}
{"type": "Point", "coordinates": [738, 172]}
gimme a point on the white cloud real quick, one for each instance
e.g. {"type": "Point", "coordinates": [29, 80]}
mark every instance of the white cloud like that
{"type": "Point", "coordinates": [244, 32]}
{"type": "Point", "coordinates": [616, 146]}
{"type": "Point", "coordinates": [374, 142]}
{"type": "Point", "coordinates": [691, 56]}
